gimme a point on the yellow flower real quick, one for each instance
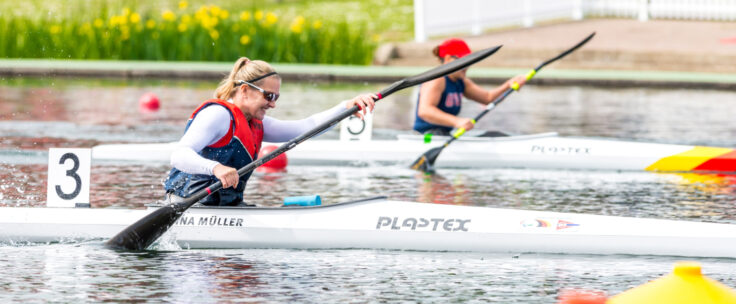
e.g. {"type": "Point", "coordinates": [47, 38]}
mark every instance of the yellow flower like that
{"type": "Point", "coordinates": [155, 35]}
{"type": "Point", "coordinates": [55, 29]}
{"type": "Point", "coordinates": [245, 15]}
{"type": "Point", "coordinates": [258, 15]}
{"type": "Point", "coordinates": [317, 24]}
{"type": "Point", "coordinates": [297, 24]}
{"type": "Point", "coordinates": [271, 18]}
{"type": "Point", "coordinates": [209, 22]}
{"type": "Point", "coordinates": [182, 27]}
{"type": "Point", "coordinates": [122, 20]}
{"type": "Point", "coordinates": [214, 34]}
{"type": "Point", "coordinates": [124, 33]}
{"type": "Point", "coordinates": [376, 37]}
{"type": "Point", "coordinates": [150, 24]}
{"type": "Point", "coordinates": [201, 13]}
{"type": "Point", "coordinates": [296, 29]}
{"type": "Point", "coordinates": [215, 10]}
{"type": "Point", "coordinates": [244, 40]}
{"type": "Point", "coordinates": [135, 18]}
{"type": "Point", "coordinates": [224, 14]}
{"type": "Point", "coordinates": [298, 20]}
{"type": "Point", "coordinates": [99, 23]}
{"type": "Point", "coordinates": [126, 12]}
{"type": "Point", "coordinates": [183, 5]}
{"type": "Point", "coordinates": [186, 19]}
{"type": "Point", "coordinates": [168, 15]}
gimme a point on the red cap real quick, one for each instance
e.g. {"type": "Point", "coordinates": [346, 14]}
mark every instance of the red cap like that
{"type": "Point", "coordinates": [453, 47]}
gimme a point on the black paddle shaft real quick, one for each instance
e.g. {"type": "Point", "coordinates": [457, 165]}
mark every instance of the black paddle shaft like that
{"type": "Point", "coordinates": [145, 231]}
{"type": "Point", "coordinates": [529, 76]}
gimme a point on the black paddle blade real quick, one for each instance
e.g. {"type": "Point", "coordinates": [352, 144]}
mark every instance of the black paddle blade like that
{"type": "Point", "coordinates": [442, 70]}
{"type": "Point", "coordinates": [425, 163]}
{"type": "Point", "coordinates": [145, 231]}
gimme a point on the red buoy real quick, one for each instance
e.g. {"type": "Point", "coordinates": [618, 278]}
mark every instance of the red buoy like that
{"type": "Point", "coordinates": [148, 103]}
{"type": "Point", "coordinates": [582, 296]}
{"type": "Point", "coordinates": [277, 164]}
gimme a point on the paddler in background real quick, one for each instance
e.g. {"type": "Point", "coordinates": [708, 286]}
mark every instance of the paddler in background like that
{"type": "Point", "coordinates": [440, 99]}
{"type": "Point", "coordinates": [225, 133]}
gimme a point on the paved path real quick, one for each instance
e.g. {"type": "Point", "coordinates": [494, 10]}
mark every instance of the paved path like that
{"type": "Point", "coordinates": [619, 44]}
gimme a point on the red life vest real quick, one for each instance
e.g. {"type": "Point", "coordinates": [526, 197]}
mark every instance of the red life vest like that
{"type": "Point", "coordinates": [250, 133]}
{"type": "Point", "coordinates": [235, 149]}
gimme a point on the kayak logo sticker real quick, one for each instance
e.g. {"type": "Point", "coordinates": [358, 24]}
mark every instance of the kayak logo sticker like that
{"type": "Point", "coordinates": [535, 223]}
{"type": "Point", "coordinates": [560, 150]}
{"type": "Point", "coordinates": [562, 224]}
{"type": "Point", "coordinates": [550, 224]}
{"type": "Point", "coordinates": [423, 224]}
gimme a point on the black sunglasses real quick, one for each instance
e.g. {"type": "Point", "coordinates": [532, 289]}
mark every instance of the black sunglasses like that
{"type": "Point", "coordinates": [270, 96]}
{"type": "Point", "coordinates": [451, 56]}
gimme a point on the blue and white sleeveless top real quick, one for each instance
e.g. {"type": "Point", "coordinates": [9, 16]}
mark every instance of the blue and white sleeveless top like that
{"type": "Point", "coordinates": [450, 103]}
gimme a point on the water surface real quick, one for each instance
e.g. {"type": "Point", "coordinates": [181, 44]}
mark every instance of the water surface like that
{"type": "Point", "coordinates": [37, 114]}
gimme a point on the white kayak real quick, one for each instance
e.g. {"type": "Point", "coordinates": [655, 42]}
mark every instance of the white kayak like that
{"type": "Point", "coordinates": [379, 223]}
{"type": "Point", "coordinates": [542, 151]}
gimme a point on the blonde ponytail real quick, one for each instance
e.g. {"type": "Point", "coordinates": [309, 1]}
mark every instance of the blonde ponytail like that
{"type": "Point", "coordinates": [243, 69]}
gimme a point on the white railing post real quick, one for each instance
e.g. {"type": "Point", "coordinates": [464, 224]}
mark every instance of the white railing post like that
{"type": "Point", "coordinates": [577, 10]}
{"type": "Point", "coordinates": [527, 21]}
{"type": "Point", "coordinates": [475, 28]}
{"type": "Point", "coordinates": [420, 35]}
{"type": "Point", "coordinates": [643, 10]}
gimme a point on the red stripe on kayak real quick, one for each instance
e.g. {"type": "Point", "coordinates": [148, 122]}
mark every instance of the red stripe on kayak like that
{"type": "Point", "coordinates": [209, 191]}
{"type": "Point", "coordinates": [722, 163]}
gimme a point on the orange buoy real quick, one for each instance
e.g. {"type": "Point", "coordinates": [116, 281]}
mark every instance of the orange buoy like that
{"type": "Point", "coordinates": [277, 164]}
{"type": "Point", "coordinates": [579, 296]}
{"type": "Point", "coordinates": [148, 103]}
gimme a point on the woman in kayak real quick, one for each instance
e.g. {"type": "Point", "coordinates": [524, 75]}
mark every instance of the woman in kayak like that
{"type": "Point", "coordinates": [225, 133]}
{"type": "Point", "coordinates": [440, 99]}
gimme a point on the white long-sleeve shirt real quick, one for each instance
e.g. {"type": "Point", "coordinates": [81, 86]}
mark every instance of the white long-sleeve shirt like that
{"type": "Point", "coordinates": [213, 122]}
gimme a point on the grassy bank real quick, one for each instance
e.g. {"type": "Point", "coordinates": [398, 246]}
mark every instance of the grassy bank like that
{"type": "Point", "coordinates": [333, 32]}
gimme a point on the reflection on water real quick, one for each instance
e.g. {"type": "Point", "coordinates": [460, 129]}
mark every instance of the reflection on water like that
{"type": "Point", "coordinates": [437, 189]}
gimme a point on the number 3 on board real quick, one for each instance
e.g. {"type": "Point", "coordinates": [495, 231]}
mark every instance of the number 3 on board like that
{"type": "Point", "coordinates": [68, 181]}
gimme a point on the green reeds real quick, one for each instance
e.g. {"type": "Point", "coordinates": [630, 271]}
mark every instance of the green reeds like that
{"type": "Point", "coordinates": [208, 33]}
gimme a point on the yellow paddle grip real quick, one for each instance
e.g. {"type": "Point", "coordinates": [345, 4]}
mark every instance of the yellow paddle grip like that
{"type": "Point", "coordinates": [529, 75]}
{"type": "Point", "coordinates": [461, 131]}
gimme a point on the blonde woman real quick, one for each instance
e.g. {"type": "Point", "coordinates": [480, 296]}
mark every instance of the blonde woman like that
{"type": "Point", "coordinates": [225, 133]}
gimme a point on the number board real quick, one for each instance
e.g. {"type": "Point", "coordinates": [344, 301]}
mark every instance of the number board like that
{"type": "Point", "coordinates": [68, 180]}
{"type": "Point", "coordinates": [353, 128]}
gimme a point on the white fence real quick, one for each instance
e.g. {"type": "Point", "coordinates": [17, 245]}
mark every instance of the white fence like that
{"type": "Point", "coordinates": [438, 17]}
